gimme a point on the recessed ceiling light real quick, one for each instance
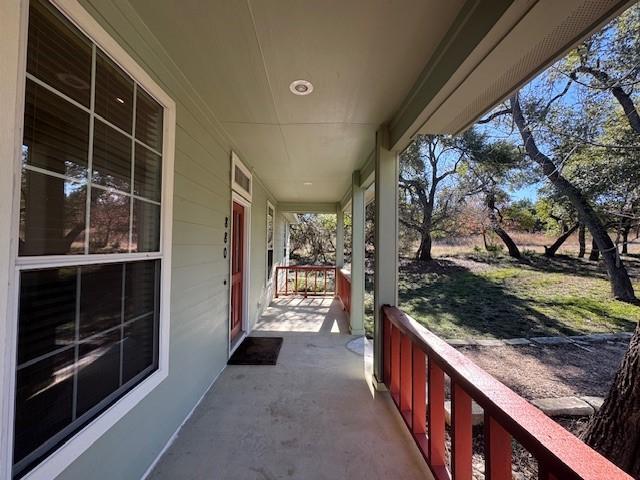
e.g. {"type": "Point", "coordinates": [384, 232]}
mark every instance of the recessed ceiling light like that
{"type": "Point", "coordinates": [307, 184]}
{"type": "Point", "coordinates": [119, 100]}
{"type": "Point", "coordinates": [301, 87]}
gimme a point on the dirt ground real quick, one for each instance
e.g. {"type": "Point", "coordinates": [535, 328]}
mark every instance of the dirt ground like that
{"type": "Point", "coordinates": [552, 370]}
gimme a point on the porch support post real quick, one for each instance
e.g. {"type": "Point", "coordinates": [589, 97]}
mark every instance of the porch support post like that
{"type": "Point", "coordinates": [386, 241]}
{"type": "Point", "coordinates": [339, 236]}
{"type": "Point", "coordinates": [356, 315]}
{"type": "Point", "coordinates": [287, 243]}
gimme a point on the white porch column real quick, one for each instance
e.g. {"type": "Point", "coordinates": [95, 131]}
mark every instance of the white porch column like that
{"type": "Point", "coordinates": [356, 316]}
{"type": "Point", "coordinates": [287, 244]}
{"type": "Point", "coordinates": [386, 240]}
{"type": "Point", "coordinates": [339, 236]}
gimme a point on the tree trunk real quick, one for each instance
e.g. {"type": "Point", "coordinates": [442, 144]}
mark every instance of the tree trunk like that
{"type": "Point", "coordinates": [582, 241]}
{"type": "Point", "coordinates": [624, 99]}
{"type": "Point", "coordinates": [424, 252]}
{"type": "Point", "coordinates": [621, 287]}
{"type": "Point", "coordinates": [625, 239]}
{"type": "Point", "coordinates": [614, 430]}
{"type": "Point", "coordinates": [595, 252]}
{"type": "Point", "coordinates": [497, 228]}
{"type": "Point", "coordinates": [508, 241]}
{"type": "Point", "coordinates": [551, 251]}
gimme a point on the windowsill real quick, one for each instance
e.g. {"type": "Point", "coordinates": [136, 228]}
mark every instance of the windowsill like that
{"type": "Point", "coordinates": [59, 460]}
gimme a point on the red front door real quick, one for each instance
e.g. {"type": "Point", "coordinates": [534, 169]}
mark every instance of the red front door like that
{"type": "Point", "coordinates": [237, 270]}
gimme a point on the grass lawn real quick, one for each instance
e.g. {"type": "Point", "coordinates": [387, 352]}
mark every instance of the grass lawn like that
{"type": "Point", "coordinates": [493, 296]}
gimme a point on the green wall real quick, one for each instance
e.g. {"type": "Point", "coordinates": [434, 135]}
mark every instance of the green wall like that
{"type": "Point", "coordinates": [199, 298]}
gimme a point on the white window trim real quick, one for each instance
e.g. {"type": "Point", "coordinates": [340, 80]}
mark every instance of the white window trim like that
{"type": "Point", "coordinates": [273, 241]}
{"type": "Point", "coordinates": [246, 325]}
{"type": "Point", "coordinates": [13, 38]}
{"type": "Point", "coordinates": [236, 187]}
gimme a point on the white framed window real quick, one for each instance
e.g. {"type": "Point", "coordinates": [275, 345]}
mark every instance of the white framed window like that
{"type": "Point", "coordinates": [241, 178]}
{"type": "Point", "coordinates": [93, 225]}
{"type": "Point", "coordinates": [271, 214]}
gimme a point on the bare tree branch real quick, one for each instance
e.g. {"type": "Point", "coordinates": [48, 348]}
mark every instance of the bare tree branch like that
{"type": "Point", "coordinates": [494, 115]}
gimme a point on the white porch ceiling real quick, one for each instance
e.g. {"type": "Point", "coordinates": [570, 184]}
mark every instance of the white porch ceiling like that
{"type": "Point", "coordinates": [420, 65]}
{"type": "Point", "coordinates": [362, 57]}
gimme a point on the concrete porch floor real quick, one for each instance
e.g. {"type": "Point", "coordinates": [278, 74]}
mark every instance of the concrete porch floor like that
{"type": "Point", "coordinates": [312, 416]}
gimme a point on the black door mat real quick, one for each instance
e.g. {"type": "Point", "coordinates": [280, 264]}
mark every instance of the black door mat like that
{"type": "Point", "coordinates": [257, 351]}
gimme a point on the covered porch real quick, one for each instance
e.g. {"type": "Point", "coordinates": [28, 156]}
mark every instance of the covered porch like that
{"type": "Point", "coordinates": [311, 416]}
{"type": "Point", "coordinates": [279, 108]}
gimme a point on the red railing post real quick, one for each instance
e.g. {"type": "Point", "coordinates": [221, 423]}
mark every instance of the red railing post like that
{"type": "Point", "coordinates": [395, 365]}
{"type": "Point", "coordinates": [419, 400]}
{"type": "Point", "coordinates": [461, 422]}
{"type": "Point", "coordinates": [497, 453]}
{"type": "Point", "coordinates": [406, 383]}
{"type": "Point", "coordinates": [435, 407]}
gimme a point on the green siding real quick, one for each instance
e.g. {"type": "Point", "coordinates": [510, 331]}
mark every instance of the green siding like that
{"type": "Point", "coordinates": [199, 297]}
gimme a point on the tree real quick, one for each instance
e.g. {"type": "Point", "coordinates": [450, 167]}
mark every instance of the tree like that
{"type": "Point", "coordinates": [582, 244]}
{"type": "Point", "coordinates": [488, 171]}
{"type": "Point", "coordinates": [312, 240]}
{"type": "Point", "coordinates": [495, 219]}
{"type": "Point", "coordinates": [521, 215]}
{"type": "Point", "coordinates": [615, 429]}
{"type": "Point", "coordinates": [559, 217]}
{"type": "Point", "coordinates": [618, 276]}
{"type": "Point", "coordinates": [425, 204]}
{"type": "Point", "coordinates": [611, 59]}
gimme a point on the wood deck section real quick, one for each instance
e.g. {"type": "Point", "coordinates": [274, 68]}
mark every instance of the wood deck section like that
{"type": "Point", "coordinates": [312, 416]}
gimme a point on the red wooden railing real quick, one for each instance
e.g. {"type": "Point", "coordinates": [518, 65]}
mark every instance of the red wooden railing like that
{"type": "Point", "coordinates": [343, 288]}
{"type": "Point", "coordinates": [413, 357]}
{"type": "Point", "coordinates": [318, 280]}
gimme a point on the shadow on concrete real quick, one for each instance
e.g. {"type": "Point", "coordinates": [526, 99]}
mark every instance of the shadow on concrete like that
{"type": "Point", "coordinates": [321, 315]}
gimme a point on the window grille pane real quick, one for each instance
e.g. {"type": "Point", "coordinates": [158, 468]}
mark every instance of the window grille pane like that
{"type": "Point", "coordinates": [114, 93]}
{"type": "Point", "coordinates": [56, 133]}
{"type": "Point", "coordinates": [44, 402]}
{"type": "Point", "coordinates": [100, 298]}
{"type": "Point", "coordinates": [111, 166]}
{"type": "Point", "coordinates": [146, 227]}
{"type": "Point", "coordinates": [110, 350]}
{"type": "Point", "coordinates": [138, 346]}
{"type": "Point", "coordinates": [148, 120]}
{"type": "Point", "coordinates": [109, 221]}
{"type": "Point", "coordinates": [58, 53]}
{"type": "Point", "coordinates": [98, 369]}
{"type": "Point", "coordinates": [148, 174]}
{"type": "Point", "coordinates": [52, 215]}
{"type": "Point", "coordinates": [47, 312]}
{"type": "Point", "coordinates": [141, 281]}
